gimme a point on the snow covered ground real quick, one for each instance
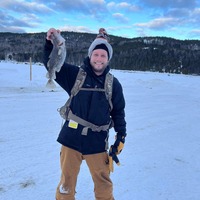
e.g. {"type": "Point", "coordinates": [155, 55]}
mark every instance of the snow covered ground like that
{"type": "Point", "coordinates": [160, 161]}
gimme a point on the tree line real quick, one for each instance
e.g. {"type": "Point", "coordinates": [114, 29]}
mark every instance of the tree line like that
{"type": "Point", "coordinates": [142, 53]}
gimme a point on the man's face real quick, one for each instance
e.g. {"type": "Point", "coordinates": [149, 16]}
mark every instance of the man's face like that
{"type": "Point", "coordinates": [99, 60]}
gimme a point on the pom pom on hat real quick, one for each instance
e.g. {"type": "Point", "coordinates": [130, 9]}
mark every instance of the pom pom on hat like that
{"type": "Point", "coordinates": [101, 42]}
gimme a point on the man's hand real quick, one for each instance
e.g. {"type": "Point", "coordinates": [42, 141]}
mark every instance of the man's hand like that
{"type": "Point", "coordinates": [112, 157]}
{"type": "Point", "coordinates": [116, 150]}
{"type": "Point", "coordinates": [51, 31]}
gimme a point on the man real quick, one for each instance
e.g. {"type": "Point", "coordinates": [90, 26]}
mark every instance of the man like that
{"type": "Point", "coordinates": [87, 137]}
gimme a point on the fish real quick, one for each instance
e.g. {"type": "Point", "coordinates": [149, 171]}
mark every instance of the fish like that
{"type": "Point", "coordinates": [56, 58]}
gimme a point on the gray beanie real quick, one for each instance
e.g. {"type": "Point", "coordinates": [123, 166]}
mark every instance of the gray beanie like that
{"type": "Point", "coordinates": [102, 38]}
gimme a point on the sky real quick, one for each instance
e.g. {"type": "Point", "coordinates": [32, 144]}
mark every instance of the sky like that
{"type": "Point", "coordinates": [160, 159]}
{"type": "Point", "coordinates": [178, 19]}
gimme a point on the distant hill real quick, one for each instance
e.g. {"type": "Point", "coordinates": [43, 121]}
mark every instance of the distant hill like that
{"type": "Point", "coordinates": [143, 53]}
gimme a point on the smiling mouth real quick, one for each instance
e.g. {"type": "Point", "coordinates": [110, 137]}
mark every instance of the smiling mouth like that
{"type": "Point", "coordinates": [98, 63]}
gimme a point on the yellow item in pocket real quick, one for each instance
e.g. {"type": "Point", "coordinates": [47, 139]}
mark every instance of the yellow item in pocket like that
{"type": "Point", "coordinates": [73, 124]}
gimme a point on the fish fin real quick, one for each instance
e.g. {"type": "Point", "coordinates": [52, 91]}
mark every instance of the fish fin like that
{"type": "Point", "coordinates": [58, 68]}
{"type": "Point", "coordinates": [50, 84]}
{"type": "Point", "coordinates": [47, 75]}
{"type": "Point", "coordinates": [48, 63]}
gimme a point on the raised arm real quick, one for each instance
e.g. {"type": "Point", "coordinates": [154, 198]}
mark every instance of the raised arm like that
{"type": "Point", "coordinates": [67, 75]}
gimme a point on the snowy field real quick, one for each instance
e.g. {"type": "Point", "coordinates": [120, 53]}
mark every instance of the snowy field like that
{"type": "Point", "coordinates": [161, 158]}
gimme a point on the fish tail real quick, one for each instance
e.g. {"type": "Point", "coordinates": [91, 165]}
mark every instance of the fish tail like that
{"type": "Point", "coordinates": [50, 84]}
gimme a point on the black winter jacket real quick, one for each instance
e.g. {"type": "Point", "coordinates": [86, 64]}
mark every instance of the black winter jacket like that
{"type": "Point", "coordinates": [91, 106]}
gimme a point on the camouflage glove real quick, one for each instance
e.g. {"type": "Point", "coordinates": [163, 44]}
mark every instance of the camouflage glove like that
{"type": "Point", "coordinates": [116, 149]}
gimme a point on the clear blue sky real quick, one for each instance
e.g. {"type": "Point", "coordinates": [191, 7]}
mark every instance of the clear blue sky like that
{"type": "Point", "coordinates": [178, 19]}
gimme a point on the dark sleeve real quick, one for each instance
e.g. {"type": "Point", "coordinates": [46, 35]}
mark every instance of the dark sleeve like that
{"type": "Point", "coordinates": [67, 75]}
{"type": "Point", "coordinates": [118, 112]}
{"type": "Point", "coordinates": [47, 50]}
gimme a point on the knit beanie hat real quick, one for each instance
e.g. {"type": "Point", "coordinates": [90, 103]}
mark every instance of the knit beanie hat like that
{"type": "Point", "coordinates": [101, 42]}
